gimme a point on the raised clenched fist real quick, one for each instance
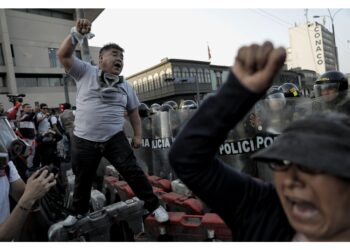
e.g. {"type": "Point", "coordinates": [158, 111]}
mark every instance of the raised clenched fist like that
{"type": "Point", "coordinates": [83, 26]}
{"type": "Point", "coordinates": [256, 66]}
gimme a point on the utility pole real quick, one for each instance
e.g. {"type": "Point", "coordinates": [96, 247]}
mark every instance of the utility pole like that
{"type": "Point", "coordinates": [65, 85]}
{"type": "Point", "coordinates": [197, 90]}
{"type": "Point", "coordinates": [335, 46]}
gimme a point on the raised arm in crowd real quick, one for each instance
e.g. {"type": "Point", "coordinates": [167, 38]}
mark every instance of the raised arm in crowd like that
{"type": "Point", "coordinates": [310, 160]}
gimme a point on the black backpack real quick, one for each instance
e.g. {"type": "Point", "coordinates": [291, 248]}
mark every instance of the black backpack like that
{"type": "Point", "coordinates": [58, 125]}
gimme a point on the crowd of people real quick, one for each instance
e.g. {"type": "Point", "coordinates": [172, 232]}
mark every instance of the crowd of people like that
{"type": "Point", "coordinates": [308, 200]}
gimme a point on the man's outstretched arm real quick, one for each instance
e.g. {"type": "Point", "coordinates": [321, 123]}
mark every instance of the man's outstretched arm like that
{"type": "Point", "coordinates": [66, 50]}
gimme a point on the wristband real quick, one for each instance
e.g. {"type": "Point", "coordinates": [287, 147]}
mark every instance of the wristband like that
{"type": "Point", "coordinates": [79, 38]}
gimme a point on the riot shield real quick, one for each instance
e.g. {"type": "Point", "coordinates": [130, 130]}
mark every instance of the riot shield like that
{"type": "Point", "coordinates": [272, 120]}
{"type": "Point", "coordinates": [179, 118]}
{"type": "Point", "coordinates": [239, 145]}
{"type": "Point", "coordinates": [162, 139]}
{"type": "Point", "coordinates": [328, 102]}
{"type": "Point", "coordinates": [144, 153]}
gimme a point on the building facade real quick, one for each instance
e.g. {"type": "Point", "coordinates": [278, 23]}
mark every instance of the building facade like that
{"type": "Point", "coordinates": [29, 39]}
{"type": "Point", "coordinates": [311, 48]}
{"type": "Point", "coordinates": [177, 79]}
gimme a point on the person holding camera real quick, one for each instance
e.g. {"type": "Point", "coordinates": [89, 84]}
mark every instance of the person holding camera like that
{"type": "Point", "coordinates": [26, 131]}
{"type": "Point", "coordinates": [38, 184]}
{"type": "Point", "coordinates": [105, 94]}
{"type": "Point", "coordinates": [46, 138]}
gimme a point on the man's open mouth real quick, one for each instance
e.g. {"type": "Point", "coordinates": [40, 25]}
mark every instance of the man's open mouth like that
{"type": "Point", "coordinates": [117, 65]}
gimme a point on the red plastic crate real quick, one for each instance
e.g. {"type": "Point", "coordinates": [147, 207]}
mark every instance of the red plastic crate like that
{"type": "Point", "coordinates": [184, 227]}
{"type": "Point", "coordinates": [159, 182]}
{"type": "Point", "coordinates": [180, 203]}
{"type": "Point", "coordinates": [124, 190]}
{"type": "Point", "coordinates": [212, 221]}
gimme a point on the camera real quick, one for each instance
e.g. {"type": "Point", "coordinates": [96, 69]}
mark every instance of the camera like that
{"type": "Point", "coordinates": [16, 98]}
{"type": "Point", "coordinates": [52, 169]}
{"type": "Point", "coordinates": [4, 159]}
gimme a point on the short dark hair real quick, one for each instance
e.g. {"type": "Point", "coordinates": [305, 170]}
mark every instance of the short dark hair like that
{"type": "Point", "coordinates": [110, 46]}
{"type": "Point", "coordinates": [43, 105]}
{"type": "Point", "coordinates": [25, 105]}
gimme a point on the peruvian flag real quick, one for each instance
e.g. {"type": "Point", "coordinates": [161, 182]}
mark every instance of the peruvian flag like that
{"type": "Point", "coordinates": [209, 54]}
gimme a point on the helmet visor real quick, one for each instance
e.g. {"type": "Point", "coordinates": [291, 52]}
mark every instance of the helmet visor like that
{"type": "Point", "coordinates": [325, 88]}
{"type": "Point", "coordinates": [276, 96]}
{"type": "Point", "coordinates": [276, 101]}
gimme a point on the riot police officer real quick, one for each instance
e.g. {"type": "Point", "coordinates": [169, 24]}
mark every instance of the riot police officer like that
{"type": "Point", "coordinates": [331, 93]}
{"type": "Point", "coordinates": [289, 90]}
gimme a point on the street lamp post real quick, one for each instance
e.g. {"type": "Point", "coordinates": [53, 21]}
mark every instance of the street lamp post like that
{"type": "Point", "coordinates": [335, 47]}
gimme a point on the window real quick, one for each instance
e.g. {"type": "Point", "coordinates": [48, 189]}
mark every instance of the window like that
{"type": "Point", "coordinates": [27, 82]}
{"type": "Point", "coordinates": [2, 82]}
{"type": "Point", "coordinates": [162, 78]}
{"type": "Point", "coordinates": [2, 62]}
{"type": "Point", "coordinates": [68, 15]}
{"type": "Point", "coordinates": [218, 78]}
{"type": "Point", "coordinates": [177, 72]}
{"type": "Point", "coordinates": [156, 81]}
{"type": "Point", "coordinates": [134, 85]}
{"type": "Point", "coordinates": [200, 75]}
{"type": "Point", "coordinates": [169, 73]}
{"type": "Point", "coordinates": [43, 82]}
{"type": "Point", "coordinates": [150, 82]}
{"type": "Point", "coordinates": [140, 86]}
{"type": "Point", "coordinates": [55, 82]}
{"type": "Point", "coordinates": [53, 58]}
{"type": "Point", "coordinates": [185, 73]}
{"type": "Point", "coordinates": [193, 72]}
{"type": "Point", "coordinates": [39, 81]}
{"type": "Point", "coordinates": [145, 84]}
{"type": "Point", "coordinates": [207, 76]}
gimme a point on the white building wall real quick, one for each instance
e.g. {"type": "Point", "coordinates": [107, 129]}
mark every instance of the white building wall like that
{"type": "Point", "coordinates": [307, 48]}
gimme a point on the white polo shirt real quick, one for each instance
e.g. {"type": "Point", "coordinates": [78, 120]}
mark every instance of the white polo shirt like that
{"type": "Point", "coordinates": [5, 190]}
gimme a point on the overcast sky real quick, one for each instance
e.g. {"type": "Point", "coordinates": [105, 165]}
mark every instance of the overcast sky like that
{"type": "Point", "coordinates": [150, 34]}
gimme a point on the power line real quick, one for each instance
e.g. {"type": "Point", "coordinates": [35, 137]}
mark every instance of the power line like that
{"type": "Point", "coordinates": [274, 20]}
{"type": "Point", "coordinates": [282, 22]}
{"type": "Point", "coordinates": [276, 17]}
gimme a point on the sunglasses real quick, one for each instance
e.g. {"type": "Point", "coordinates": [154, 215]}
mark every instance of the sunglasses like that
{"type": "Point", "coordinates": [284, 165]}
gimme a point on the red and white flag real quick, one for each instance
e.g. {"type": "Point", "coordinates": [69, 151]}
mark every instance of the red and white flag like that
{"type": "Point", "coordinates": [209, 54]}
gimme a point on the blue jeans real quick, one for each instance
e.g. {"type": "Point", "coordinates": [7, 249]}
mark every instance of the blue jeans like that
{"type": "Point", "coordinates": [86, 156]}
